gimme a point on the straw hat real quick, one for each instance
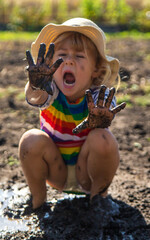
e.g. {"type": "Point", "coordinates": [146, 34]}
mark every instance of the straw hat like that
{"type": "Point", "coordinates": [85, 26]}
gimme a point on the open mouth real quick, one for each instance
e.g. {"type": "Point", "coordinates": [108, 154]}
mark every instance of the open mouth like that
{"type": "Point", "coordinates": [69, 79]}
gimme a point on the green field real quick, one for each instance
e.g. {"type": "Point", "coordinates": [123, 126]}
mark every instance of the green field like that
{"type": "Point", "coordinates": [31, 36]}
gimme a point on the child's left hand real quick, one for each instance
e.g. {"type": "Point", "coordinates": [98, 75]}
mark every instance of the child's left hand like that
{"type": "Point", "coordinates": [100, 116]}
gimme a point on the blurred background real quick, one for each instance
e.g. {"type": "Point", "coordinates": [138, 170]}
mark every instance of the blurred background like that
{"type": "Point", "coordinates": [111, 14]}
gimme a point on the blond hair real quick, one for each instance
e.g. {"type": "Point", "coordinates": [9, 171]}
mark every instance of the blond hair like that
{"type": "Point", "coordinates": [80, 42]}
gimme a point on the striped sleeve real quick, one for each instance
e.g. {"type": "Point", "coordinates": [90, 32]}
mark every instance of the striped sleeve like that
{"type": "Point", "coordinates": [95, 93]}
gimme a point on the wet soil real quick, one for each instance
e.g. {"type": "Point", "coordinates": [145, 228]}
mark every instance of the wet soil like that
{"type": "Point", "coordinates": [68, 216]}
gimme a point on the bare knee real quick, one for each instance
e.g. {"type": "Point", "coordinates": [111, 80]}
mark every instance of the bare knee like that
{"type": "Point", "coordinates": [30, 143]}
{"type": "Point", "coordinates": [102, 140]}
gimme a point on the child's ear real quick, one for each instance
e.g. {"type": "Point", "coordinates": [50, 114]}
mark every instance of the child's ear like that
{"type": "Point", "coordinates": [98, 72]}
{"type": "Point", "coordinates": [95, 74]}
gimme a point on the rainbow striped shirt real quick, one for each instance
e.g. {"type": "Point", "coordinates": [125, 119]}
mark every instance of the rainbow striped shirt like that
{"type": "Point", "coordinates": [58, 121]}
{"type": "Point", "coordinates": [58, 118]}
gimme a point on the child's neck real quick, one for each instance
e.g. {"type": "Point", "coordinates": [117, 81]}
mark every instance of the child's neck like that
{"type": "Point", "coordinates": [74, 101]}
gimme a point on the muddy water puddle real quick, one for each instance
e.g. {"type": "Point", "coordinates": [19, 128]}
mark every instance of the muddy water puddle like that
{"type": "Point", "coordinates": [10, 223]}
{"type": "Point", "coordinates": [13, 225]}
{"type": "Point", "coordinates": [12, 206]}
{"type": "Point", "coordinates": [68, 216]}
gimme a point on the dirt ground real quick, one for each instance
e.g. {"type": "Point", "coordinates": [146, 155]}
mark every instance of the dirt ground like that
{"type": "Point", "coordinates": [68, 216]}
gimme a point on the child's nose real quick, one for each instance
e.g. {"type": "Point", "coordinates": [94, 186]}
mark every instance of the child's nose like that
{"type": "Point", "coordinates": [69, 60]}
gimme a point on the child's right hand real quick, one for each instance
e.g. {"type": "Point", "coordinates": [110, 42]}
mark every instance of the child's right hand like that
{"type": "Point", "coordinates": [41, 73]}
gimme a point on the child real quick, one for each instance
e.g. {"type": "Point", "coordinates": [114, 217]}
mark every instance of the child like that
{"type": "Point", "coordinates": [75, 151]}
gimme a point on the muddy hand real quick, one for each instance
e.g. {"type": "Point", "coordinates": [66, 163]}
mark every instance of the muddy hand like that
{"type": "Point", "coordinates": [100, 116]}
{"type": "Point", "coordinates": [41, 73]}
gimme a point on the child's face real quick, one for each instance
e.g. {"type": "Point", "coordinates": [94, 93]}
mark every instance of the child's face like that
{"type": "Point", "coordinates": [74, 75]}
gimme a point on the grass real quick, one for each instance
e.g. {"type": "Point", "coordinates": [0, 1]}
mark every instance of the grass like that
{"type": "Point", "coordinates": [13, 161]}
{"type": "Point", "coordinates": [131, 95]}
{"type": "Point", "coordinates": [142, 100]}
{"type": "Point", "coordinates": [134, 94]}
{"type": "Point", "coordinates": [139, 100]}
{"type": "Point", "coordinates": [12, 91]}
{"type": "Point", "coordinates": [136, 35]}
{"type": "Point", "coordinates": [31, 36]}
{"type": "Point", "coordinates": [124, 98]}
{"type": "Point", "coordinates": [17, 36]}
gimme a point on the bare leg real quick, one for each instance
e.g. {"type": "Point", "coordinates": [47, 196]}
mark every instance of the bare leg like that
{"type": "Point", "coordinates": [41, 161]}
{"type": "Point", "coordinates": [98, 162]}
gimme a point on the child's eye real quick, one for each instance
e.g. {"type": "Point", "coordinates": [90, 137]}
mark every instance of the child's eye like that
{"type": "Point", "coordinates": [79, 56]}
{"type": "Point", "coordinates": [62, 54]}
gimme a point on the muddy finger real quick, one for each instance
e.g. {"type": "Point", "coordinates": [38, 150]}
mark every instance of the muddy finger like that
{"type": "Point", "coordinates": [101, 96]}
{"type": "Point", "coordinates": [41, 53]}
{"type": "Point", "coordinates": [110, 97]}
{"type": "Point", "coordinates": [50, 54]}
{"type": "Point", "coordinates": [46, 85]}
{"type": "Point", "coordinates": [118, 108]}
{"type": "Point", "coordinates": [81, 126]}
{"type": "Point", "coordinates": [29, 58]}
{"type": "Point", "coordinates": [55, 66]}
{"type": "Point", "coordinates": [89, 99]}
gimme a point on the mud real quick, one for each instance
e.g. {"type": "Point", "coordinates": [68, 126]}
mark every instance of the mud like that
{"type": "Point", "coordinates": [68, 216]}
